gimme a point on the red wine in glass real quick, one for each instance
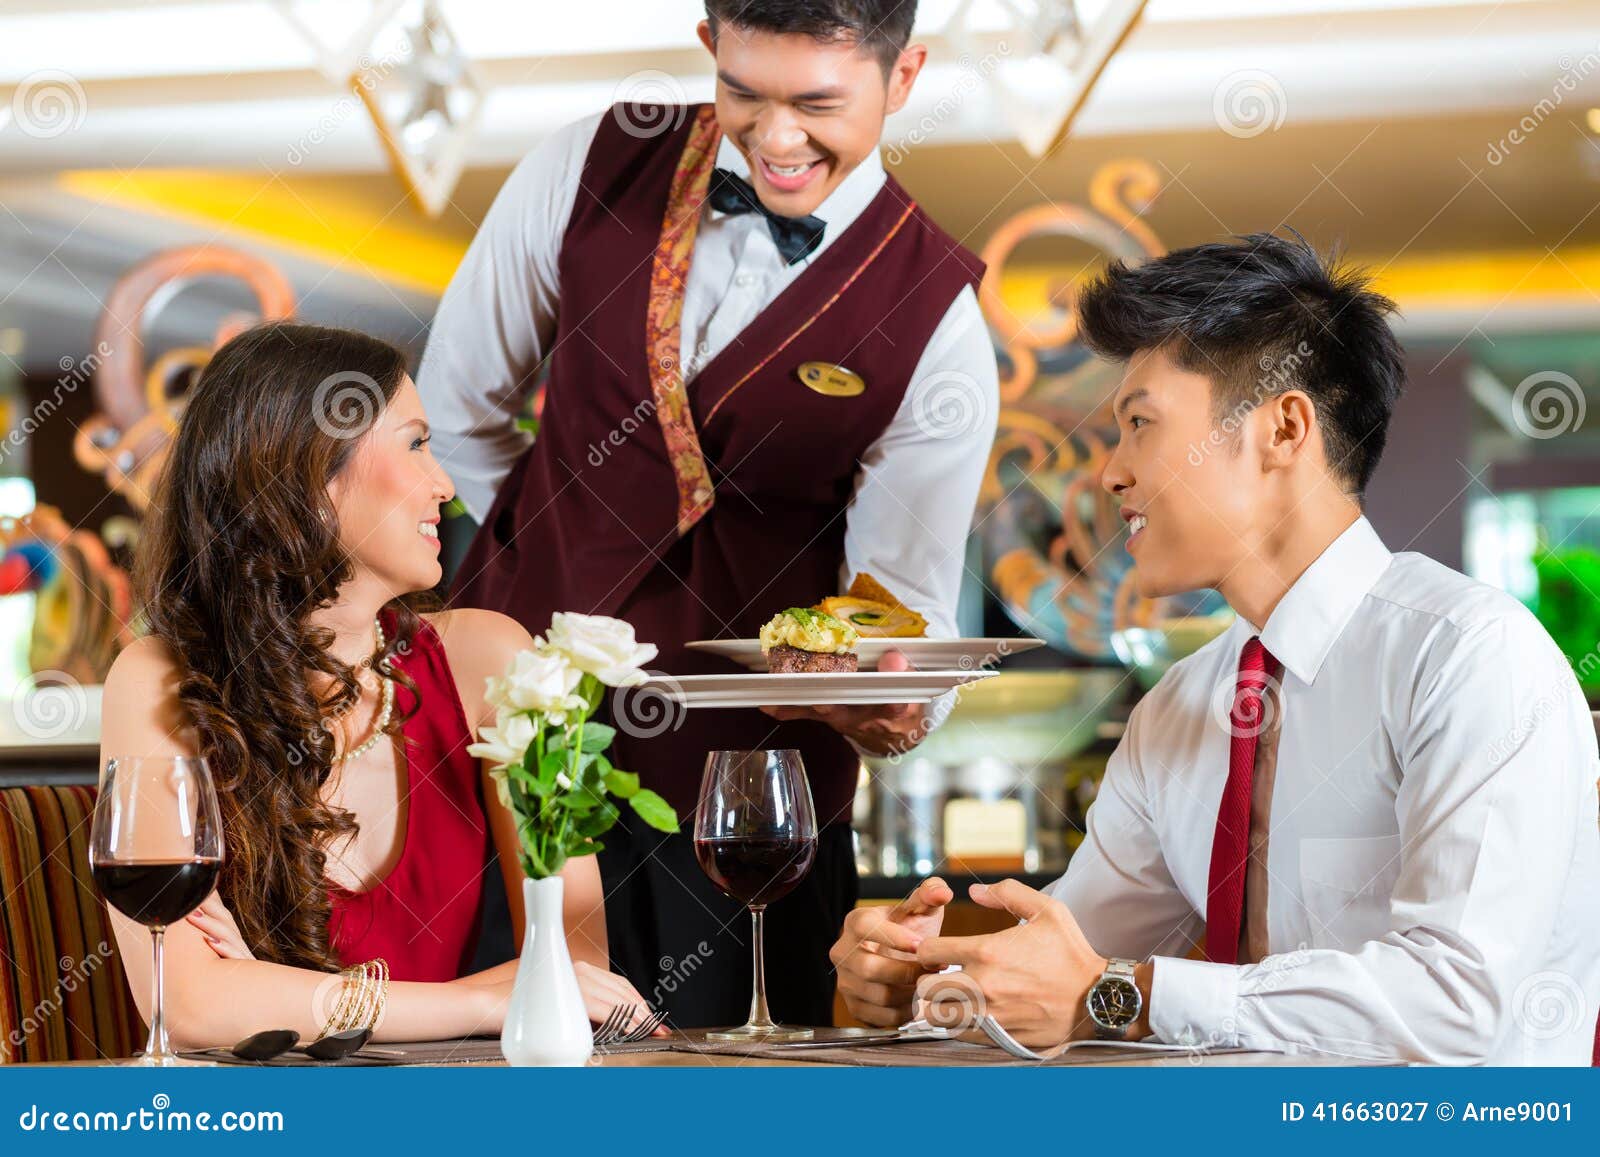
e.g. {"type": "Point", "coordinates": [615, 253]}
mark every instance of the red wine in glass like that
{"type": "Point", "coordinates": [755, 836]}
{"type": "Point", "coordinates": [756, 869]}
{"type": "Point", "coordinates": [156, 893]}
{"type": "Point", "coordinates": [155, 849]}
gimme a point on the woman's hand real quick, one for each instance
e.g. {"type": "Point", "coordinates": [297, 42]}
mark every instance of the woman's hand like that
{"type": "Point", "coordinates": [603, 991]}
{"type": "Point", "coordinates": [213, 921]}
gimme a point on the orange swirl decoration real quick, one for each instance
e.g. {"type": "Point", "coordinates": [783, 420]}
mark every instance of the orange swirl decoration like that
{"type": "Point", "coordinates": [126, 440]}
{"type": "Point", "coordinates": [1052, 537]}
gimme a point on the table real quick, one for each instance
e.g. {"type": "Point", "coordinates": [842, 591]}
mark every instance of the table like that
{"type": "Point", "coordinates": [690, 1049]}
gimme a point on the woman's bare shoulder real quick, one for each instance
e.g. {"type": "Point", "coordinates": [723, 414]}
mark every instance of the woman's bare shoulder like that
{"type": "Point", "coordinates": [472, 629]}
{"type": "Point", "coordinates": [140, 710]}
{"type": "Point", "coordinates": [145, 659]}
{"type": "Point", "coordinates": [478, 644]}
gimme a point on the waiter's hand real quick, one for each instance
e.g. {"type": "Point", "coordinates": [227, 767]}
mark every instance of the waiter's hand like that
{"type": "Point", "coordinates": [880, 730]}
{"type": "Point", "coordinates": [875, 955]}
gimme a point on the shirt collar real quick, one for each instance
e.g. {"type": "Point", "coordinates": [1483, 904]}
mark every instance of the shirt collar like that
{"type": "Point", "coordinates": [841, 207]}
{"type": "Point", "coordinates": [1314, 611]}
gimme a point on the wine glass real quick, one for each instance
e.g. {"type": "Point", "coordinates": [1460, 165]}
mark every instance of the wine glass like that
{"type": "Point", "coordinates": [155, 850]}
{"type": "Point", "coordinates": [755, 835]}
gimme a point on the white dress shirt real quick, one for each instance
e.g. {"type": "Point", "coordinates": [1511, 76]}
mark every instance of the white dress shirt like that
{"type": "Point", "coordinates": [1434, 858]}
{"type": "Point", "coordinates": [907, 523]}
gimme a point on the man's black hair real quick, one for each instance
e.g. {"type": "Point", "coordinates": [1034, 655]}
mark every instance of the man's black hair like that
{"type": "Point", "coordinates": [882, 27]}
{"type": "Point", "coordinates": [1260, 315]}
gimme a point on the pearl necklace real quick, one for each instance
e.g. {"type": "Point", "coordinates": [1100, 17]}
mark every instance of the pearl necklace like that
{"type": "Point", "coordinates": [385, 710]}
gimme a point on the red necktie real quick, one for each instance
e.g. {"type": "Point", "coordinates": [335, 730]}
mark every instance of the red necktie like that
{"type": "Point", "coordinates": [1230, 846]}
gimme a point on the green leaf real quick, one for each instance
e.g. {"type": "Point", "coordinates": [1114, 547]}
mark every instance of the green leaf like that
{"type": "Point", "coordinates": [598, 821]}
{"type": "Point", "coordinates": [558, 741]}
{"type": "Point", "coordinates": [622, 784]}
{"type": "Point", "coordinates": [597, 736]}
{"type": "Point", "coordinates": [553, 763]}
{"type": "Point", "coordinates": [582, 800]}
{"type": "Point", "coordinates": [528, 781]}
{"type": "Point", "coordinates": [654, 810]}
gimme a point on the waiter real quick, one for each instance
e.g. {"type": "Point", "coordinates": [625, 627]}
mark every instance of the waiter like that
{"type": "Point", "coordinates": [676, 267]}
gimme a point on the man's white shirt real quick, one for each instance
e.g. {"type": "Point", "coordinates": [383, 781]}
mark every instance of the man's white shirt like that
{"type": "Point", "coordinates": [908, 520]}
{"type": "Point", "coordinates": [1434, 855]}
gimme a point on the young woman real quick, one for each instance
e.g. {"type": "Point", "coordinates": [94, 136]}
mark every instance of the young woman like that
{"type": "Point", "coordinates": [282, 572]}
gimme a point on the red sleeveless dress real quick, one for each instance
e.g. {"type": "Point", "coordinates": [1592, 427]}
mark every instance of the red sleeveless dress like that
{"type": "Point", "coordinates": [423, 916]}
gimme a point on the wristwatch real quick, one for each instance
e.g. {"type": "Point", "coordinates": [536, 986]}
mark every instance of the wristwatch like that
{"type": "Point", "coordinates": [1114, 1001]}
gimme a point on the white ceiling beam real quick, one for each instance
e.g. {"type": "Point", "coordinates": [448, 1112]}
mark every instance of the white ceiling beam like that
{"type": "Point", "coordinates": [1364, 64]}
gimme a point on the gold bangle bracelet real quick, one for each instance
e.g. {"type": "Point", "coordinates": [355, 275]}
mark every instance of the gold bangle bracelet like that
{"type": "Point", "coordinates": [383, 993]}
{"type": "Point", "coordinates": [349, 990]}
{"type": "Point", "coordinates": [363, 997]}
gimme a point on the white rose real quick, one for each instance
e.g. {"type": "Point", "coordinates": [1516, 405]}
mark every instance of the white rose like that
{"type": "Point", "coordinates": [604, 647]}
{"type": "Point", "coordinates": [502, 786]}
{"type": "Point", "coordinates": [507, 741]}
{"type": "Point", "coordinates": [539, 680]}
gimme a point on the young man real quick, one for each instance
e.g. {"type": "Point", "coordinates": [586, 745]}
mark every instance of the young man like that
{"type": "Point", "coordinates": [1374, 796]}
{"type": "Point", "coordinates": [680, 268]}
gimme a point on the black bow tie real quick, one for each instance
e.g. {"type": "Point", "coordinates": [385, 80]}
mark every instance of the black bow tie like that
{"type": "Point", "coordinates": [795, 237]}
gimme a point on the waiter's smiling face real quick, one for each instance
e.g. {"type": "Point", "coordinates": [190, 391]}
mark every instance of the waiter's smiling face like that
{"type": "Point", "coordinates": [1190, 481]}
{"type": "Point", "coordinates": [803, 112]}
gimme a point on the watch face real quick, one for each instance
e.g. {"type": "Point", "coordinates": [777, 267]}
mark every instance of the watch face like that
{"type": "Point", "coordinates": [1114, 1001]}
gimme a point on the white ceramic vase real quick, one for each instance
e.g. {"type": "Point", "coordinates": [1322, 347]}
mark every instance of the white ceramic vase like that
{"type": "Point", "coordinates": [546, 1023]}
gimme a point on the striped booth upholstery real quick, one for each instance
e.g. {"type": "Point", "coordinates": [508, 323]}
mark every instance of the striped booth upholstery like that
{"type": "Point", "coordinates": [63, 995]}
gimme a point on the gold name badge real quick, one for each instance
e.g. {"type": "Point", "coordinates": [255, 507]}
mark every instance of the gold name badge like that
{"type": "Point", "coordinates": [834, 381]}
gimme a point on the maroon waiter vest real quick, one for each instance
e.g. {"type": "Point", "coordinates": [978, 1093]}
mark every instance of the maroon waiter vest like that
{"type": "Point", "coordinates": [587, 519]}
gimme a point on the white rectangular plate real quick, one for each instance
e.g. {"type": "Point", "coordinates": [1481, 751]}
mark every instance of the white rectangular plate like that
{"type": "Point", "coordinates": [808, 689]}
{"type": "Point", "coordinates": [923, 654]}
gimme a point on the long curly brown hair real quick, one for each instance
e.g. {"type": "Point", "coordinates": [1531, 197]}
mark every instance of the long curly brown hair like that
{"type": "Point", "coordinates": [241, 546]}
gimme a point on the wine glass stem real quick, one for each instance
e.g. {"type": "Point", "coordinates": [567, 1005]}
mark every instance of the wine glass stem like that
{"type": "Point", "coordinates": [759, 1016]}
{"type": "Point", "coordinates": [158, 1047]}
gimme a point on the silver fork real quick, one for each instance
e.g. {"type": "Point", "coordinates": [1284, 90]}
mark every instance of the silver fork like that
{"type": "Point", "coordinates": [612, 1026]}
{"type": "Point", "coordinates": [615, 1030]}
